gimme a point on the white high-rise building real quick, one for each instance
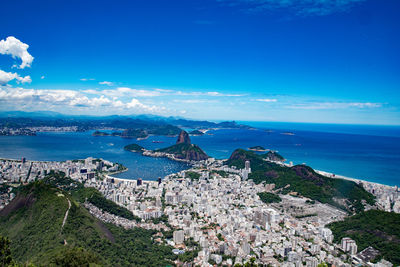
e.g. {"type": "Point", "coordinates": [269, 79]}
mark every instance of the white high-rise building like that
{"type": "Point", "coordinates": [349, 244]}
{"type": "Point", "coordinates": [247, 166]}
{"type": "Point", "coordinates": [245, 174]}
{"type": "Point", "coordinates": [179, 237]}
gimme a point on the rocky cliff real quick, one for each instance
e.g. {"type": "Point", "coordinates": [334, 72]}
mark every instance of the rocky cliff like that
{"type": "Point", "coordinates": [183, 138]}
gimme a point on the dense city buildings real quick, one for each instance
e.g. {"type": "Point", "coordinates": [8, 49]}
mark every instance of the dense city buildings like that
{"type": "Point", "coordinates": [215, 210]}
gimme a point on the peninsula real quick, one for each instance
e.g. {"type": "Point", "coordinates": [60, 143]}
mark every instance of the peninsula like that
{"type": "Point", "coordinates": [183, 150]}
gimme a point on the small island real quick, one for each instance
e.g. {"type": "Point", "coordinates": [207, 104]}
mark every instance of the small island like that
{"type": "Point", "coordinates": [258, 148]}
{"type": "Point", "coordinates": [99, 133]}
{"type": "Point", "coordinates": [196, 133]}
{"type": "Point", "coordinates": [134, 148]}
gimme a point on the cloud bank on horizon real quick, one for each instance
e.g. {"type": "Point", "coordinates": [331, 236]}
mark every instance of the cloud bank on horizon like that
{"type": "Point", "coordinates": [298, 7]}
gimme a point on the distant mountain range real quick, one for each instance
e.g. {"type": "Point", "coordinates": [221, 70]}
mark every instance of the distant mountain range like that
{"type": "Point", "coordinates": [20, 119]}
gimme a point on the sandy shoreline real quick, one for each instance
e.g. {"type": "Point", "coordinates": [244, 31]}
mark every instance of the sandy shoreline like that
{"type": "Point", "coordinates": [335, 176]}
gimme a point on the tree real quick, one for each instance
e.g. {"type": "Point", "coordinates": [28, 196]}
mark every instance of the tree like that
{"type": "Point", "coordinates": [322, 264]}
{"type": "Point", "coordinates": [251, 263]}
{"type": "Point", "coordinates": [5, 251]}
{"type": "Point", "coordinates": [75, 257]}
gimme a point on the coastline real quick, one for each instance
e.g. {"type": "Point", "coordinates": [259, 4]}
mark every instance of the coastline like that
{"type": "Point", "coordinates": [154, 154]}
{"type": "Point", "coordinates": [324, 173]}
{"type": "Point", "coordinates": [338, 176]}
{"type": "Point", "coordinates": [356, 180]}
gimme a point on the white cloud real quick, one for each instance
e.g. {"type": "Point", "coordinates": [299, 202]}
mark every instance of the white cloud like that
{"type": "Point", "coordinates": [126, 92]}
{"type": "Point", "coordinates": [221, 94]}
{"type": "Point", "coordinates": [6, 77]}
{"type": "Point", "coordinates": [217, 94]}
{"type": "Point", "coordinates": [131, 92]}
{"type": "Point", "coordinates": [17, 49]}
{"type": "Point", "coordinates": [335, 105]}
{"type": "Point", "coordinates": [139, 92]}
{"type": "Point", "coordinates": [72, 99]}
{"type": "Point", "coordinates": [42, 77]}
{"type": "Point", "coordinates": [86, 79]}
{"type": "Point", "coordinates": [106, 83]}
{"type": "Point", "coordinates": [366, 105]}
{"type": "Point", "coordinates": [268, 100]}
{"type": "Point", "coordinates": [194, 101]}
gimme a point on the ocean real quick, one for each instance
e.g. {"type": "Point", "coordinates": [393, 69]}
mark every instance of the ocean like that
{"type": "Point", "coordinates": [369, 153]}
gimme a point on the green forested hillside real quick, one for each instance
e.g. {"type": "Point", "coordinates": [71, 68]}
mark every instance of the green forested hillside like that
{"type": "Point", "coordinates": [305, 181]}
{"type": "Point", "coordinates": [375, 228]}
{"type": "Point", "coordinates": [185, 151]}
{"type": "Point", "coordinates": [33, 223]}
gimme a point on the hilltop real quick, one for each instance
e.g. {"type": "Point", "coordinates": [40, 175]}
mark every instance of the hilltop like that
{"type": "Point", "coordinates": [273, 156]}
{"type": "Point", "coordinates": [34, 218]}
{"type": "Point", "coordinates": [184, 149]}
{"type": "Point", "coordinates": [303, 180]}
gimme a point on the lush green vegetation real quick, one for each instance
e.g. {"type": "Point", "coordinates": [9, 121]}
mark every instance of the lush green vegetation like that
{"type": "Point", "coordinates": [134, 148]}
{"type": "Point", "coordinates": [185, 151]}
{"type": "Point", "coordinates": [189, 255]}
{"type": "Point", "coordinates": [267, 197]}
{"type": "Point", "coordinates": [223, 174]}
{"type": "Point", "coordinates": [155, 129]}
{"type": "Point", "coordinates": [220, 237]}
{"type": "Point", "coordinates": [134, 133]}
{"type": "Point", "coordinates": [98, 133]}
{"type": "Point", "coordinates": [4, 188]}
{"type": "Point", "coordinates": [375, 228]}
{"type": "Point", "coordinates": [192, 175]}
{"type": "Point", "coordinates": [93, 196]}
{"type": "Point", "coordinates": [303, 180]}
{"type": "Point", "coordinates": [75, 257]}
{"type": "Point", "coordinates": [90, 194]}
{"type": "Point", "coordinates": [5, 251]}
{"type": "Point", "coordinates": [179, 148]}
{"type": "Point", "coordinates": [33, 224]}
{"type": "Point", "coordinates": [192, 252]}
{"type": "Point", "coordinates": [273, 155]}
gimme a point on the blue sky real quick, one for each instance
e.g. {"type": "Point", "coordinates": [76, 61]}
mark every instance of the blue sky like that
{"type": "Point", "coordinates": [262, 60]}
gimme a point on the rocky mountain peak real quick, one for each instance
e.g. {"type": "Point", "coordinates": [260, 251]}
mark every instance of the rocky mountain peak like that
{"type": "Point", "coordinates": [183, 138]}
